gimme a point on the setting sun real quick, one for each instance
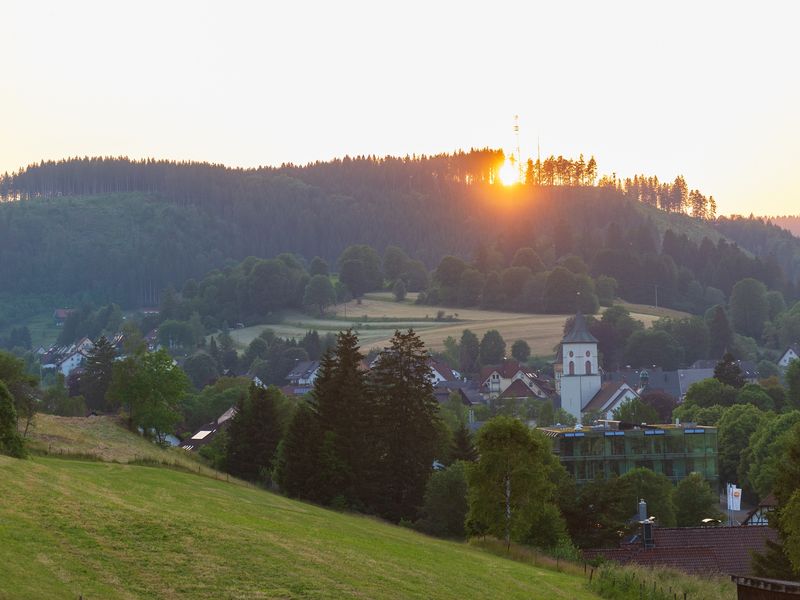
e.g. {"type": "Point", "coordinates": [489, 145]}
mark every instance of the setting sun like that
{"type": "Point", "coordinates": [508, 173]}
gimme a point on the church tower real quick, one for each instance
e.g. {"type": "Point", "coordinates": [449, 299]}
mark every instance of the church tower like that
{"type": "Point", "coordinates": [580, 375]}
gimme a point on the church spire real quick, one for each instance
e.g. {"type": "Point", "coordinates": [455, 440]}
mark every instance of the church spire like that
{"type": "Point", "coordinates": [580, 332]}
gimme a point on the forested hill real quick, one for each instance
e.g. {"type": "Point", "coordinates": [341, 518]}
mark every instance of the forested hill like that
{"type": "Point", "coordinates": [119, 230]}
{"type": "Point", "coordinates": [791, 223]}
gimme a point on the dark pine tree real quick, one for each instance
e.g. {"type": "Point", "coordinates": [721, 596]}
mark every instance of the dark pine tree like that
{"type": "Point", "coordinates": [298, 468]}
{"type": "Point", "coordinates": [253, 435]}
{"type": "Point", "coordinates": [728, 371]}
{"type": "Point", "coordinates": [720, 333]}
{"type": "Point", "coordinates": [97, 374]}
{"type": "Point", "coordinates": [343, 405]}
{"type": "Point", "coordinates": [463, 448]}
{"type": "Point", "coordinates": [407, 427]}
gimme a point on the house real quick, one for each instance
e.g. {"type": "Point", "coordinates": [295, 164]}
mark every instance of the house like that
{"type": "Point", "coordinates": [207, 432]}
{"type": "Point", "coordinates": [70, 362]}
{"type": "Point", "coordinates": [84, 345]}
{"type": "Point", "coordinates": [759, 515]}
{"type": "Point", "coordinates": [495, 380]}
{"type": "Point", "coordinates": [467, 389]}
{"type": "Point", "coordinates": [748, 367]}
{"type": "Point", "coordinates": [610, 396]}
{"type": "Point", "coordinates": [151, 339]}
{"type": "Point", "coordinates": [654, 379]}
{"type": "Point", "coordinates": [304, 373]}
{"type": "Point", "coordinates": [694, 550]}
{"type": "Point", "coordinates": [61, 314]}
{"type": "Point", "coordinates": [441, 372]}
{"type": "Point", "coordinates": [791, 353]}
{"type": "Point", "coordinates": [296, 391]}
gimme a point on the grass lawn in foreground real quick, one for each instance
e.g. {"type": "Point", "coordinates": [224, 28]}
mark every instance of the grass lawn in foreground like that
{"type": "Point", "coordinates": [104, 530]}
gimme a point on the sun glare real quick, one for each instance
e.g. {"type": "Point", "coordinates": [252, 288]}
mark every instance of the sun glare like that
{"type": "Point", "coordinates": [508, 174]}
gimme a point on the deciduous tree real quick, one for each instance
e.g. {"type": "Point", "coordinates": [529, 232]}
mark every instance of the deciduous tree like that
{"type": "Point", "coordinates": [510, 482]}
{"type": "Point", "coordinates": [694, 501]}
{"type": "Point", "coordinates": [10, 440]}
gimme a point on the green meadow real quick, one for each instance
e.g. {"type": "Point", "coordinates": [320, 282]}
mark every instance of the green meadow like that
{"type": "Point", "coordinates": [73, 528]}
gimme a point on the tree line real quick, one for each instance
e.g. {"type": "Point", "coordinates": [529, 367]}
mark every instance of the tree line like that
{"type": "Point", "coordinates": [122, 231]}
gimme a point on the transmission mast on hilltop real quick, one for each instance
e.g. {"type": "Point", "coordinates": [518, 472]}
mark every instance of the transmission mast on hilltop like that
{"type": "Point", "coordinates": [519, 156]}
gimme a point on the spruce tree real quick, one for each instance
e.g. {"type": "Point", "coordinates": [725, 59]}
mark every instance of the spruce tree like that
{"type": "Point", "coordinates": [406, 426]}
{"type": "Point", "coordinates": [343, 405]}
{"type": "Point", "coordinates": [298, 465]}
{"type": "Point", "coordinates": [98, 371]}
{"type": "Point", "coordinates": [463, 448]}
{"type": "Point", "coordinates": [720, 332]}
{"type": "Point", "coordinates": [254, 434]}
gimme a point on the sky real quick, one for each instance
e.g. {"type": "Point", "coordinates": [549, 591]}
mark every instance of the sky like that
{"type": "Point", "coordinates": [709, 90]}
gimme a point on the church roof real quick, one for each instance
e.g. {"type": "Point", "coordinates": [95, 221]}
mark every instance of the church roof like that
{"type": "Point", "coordinates": [607, 396]}
{"type": "Point", "coordinates": [579, 332]}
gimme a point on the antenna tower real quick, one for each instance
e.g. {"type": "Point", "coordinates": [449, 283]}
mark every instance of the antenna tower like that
{"type": "Point", "coordinates": [519, 156]}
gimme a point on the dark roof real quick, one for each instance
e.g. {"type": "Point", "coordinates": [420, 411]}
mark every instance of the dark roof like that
{"type": "Point", "coordinates": [665, 381]}
{"type": "Point", "coordinates": [699, 550]}
{"type": "Point", "coordinates": [303, 369]}
{"type": "Point", "coordinates": [748, 367]}
{"type": "Point", "coordinates": [209, 431]}
{"type": "Point", "coordinates": [442, 394]}
{"type": "Point", "coordinates": [518, 389]}
{"type": "Point", "coordinates": [579, 332]}
{"type": "Point", "coordinates": [467, 388]}
{"type": "Point", "coordinates": [607, 391]}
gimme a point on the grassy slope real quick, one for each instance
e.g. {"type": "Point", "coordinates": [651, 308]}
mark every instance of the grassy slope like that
{"type": "Point", "coordinates": [104, 530]}
{"type": "Point", "coordinates": [113, 530]}
{"type": "Point", "coordinates": [384, 315]}
{"type": "Point", "coordinates": [104, 438]}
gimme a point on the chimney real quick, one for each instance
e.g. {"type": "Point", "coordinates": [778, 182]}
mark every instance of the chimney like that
{"type": "Point", "coordinates": [642, 510]}
{"type": "Point", "coordinates": [647, 526]}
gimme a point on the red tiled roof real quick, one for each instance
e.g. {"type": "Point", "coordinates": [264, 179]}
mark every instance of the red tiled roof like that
{"type": "Point", "coordinates": [445, 371]}
{"type": "Point", "coordinates": [518, 389]}
{"type": "Point", "coordinates": [726, 550]}
{"type": "Point", "coordinates": [507, 370]}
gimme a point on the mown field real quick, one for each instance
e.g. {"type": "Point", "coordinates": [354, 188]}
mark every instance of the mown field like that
{"type": "Point", "coordinates": [378, 315]}
{"type": "Point", "coordinates": [77, 528]}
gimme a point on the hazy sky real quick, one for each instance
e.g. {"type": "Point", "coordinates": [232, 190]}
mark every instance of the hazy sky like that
{"type": "Point", "coordinates": [707, 89]}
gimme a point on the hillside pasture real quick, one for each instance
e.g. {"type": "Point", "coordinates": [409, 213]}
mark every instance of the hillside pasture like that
{"type": "Point", "coordinates": [73, 528]}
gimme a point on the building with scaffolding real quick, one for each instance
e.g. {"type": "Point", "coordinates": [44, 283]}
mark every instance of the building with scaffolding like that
{"type": "Point", "coordinates": [613, 448]}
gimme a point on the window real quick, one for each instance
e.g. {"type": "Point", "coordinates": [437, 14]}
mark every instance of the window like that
{"type": "Point", "coordinates": [588, 367]}
{"type": "Point", "coordinates": [588, 354]}
{"type": "Point", "coordinates": [571, 368]}
{"type": "Point", "coordinates": [571, 354]}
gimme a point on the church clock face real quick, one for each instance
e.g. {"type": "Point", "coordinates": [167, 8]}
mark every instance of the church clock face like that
{"type": "Point", "coordinates": [588, 354]}
{"type": "Point", "coordinates": [571, 354]}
